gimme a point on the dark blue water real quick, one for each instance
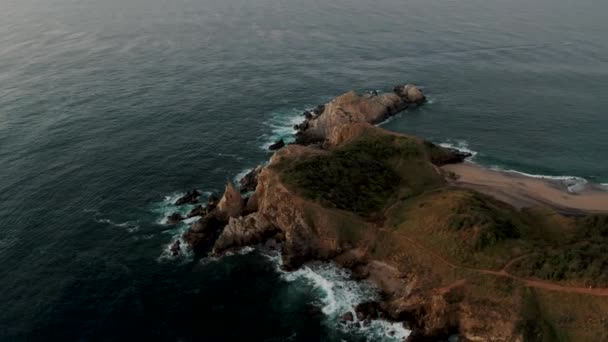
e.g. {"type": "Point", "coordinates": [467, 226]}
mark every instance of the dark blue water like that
{"type": "Point", "coordinates": [108, 107]}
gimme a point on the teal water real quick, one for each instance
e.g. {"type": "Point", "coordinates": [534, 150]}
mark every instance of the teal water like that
{"type": "Point", "coordinates": [108, 108]}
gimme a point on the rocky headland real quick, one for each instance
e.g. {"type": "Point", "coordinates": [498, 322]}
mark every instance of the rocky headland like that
{"type": "Point", "coordinates": [448, 259]}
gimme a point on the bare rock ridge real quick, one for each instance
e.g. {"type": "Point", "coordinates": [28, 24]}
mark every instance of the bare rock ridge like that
{"type": "Point", "coordinates": [352, 107]}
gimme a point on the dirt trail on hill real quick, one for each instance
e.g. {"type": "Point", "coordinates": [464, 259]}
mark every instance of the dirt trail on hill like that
{"type": "Point", "coordinates": [601, 292]}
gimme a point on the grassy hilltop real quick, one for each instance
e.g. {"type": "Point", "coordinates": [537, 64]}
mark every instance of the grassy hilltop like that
{"type": "Point", "coordinates": [423, 225]}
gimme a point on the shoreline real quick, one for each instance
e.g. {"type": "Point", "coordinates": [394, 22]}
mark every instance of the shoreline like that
{"type": "Point", "coordinates": [522, 191]}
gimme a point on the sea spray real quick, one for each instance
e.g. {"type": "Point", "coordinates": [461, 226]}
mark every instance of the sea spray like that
{"type": "Point", "coordinates": [340, 294]}
{"type": "Point", "coordinates": [460, 145]}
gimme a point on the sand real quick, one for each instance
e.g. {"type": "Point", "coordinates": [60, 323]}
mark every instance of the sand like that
{"type": "Point", "coordinates": [524, 191]}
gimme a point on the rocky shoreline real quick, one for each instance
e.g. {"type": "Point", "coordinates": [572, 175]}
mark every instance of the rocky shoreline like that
{"type": "Point", "coordinates": [273, 214]}
{"type": "Point", "coordinates": [385, 206]}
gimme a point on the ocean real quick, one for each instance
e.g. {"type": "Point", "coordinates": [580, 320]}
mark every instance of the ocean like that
{"type": "Point", "coordinates": [110, 109]}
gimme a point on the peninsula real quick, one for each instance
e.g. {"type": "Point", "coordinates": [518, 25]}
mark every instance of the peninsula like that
{"type": "Point", "coordinates": [455, 249]}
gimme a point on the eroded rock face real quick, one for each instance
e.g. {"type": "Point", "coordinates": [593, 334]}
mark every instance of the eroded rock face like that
{"type": "Point", "coordinates": [203, 233]}
{"type": "Point", "coordinates": [352, 107]}
{"type": "Point", "coordinates": [250, 181]}
{"type": "Point", "coordinates": [244, 231]}
{"type": "Point", "coordinates": [231, 204]}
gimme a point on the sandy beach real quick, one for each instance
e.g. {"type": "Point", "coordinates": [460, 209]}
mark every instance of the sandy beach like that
{"type": "Point", "coordinates": [524, 191]}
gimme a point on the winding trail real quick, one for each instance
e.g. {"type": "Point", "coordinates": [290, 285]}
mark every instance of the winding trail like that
{"type": "Point", "coordinates": [600, 292]}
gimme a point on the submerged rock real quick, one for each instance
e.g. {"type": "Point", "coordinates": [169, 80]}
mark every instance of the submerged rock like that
{"type": "Point", "coordinates": [175, 248]}
{"type": "Point", "coordinates": [191, 197]}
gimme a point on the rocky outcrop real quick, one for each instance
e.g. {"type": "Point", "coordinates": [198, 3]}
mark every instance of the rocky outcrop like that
{"type": "Point", "coordinates": [175, 218]}
{"type": "Point", "coordinates": [191, 197]}
{"type": "Point", "coordinates": [277, 145]}
{"type": "Point", "coordinates": [202, 234]}
{"type": "Point", "coordinates": [250, 181]}
{"type": "Point", "coordinates": [231, 204]}
{"type": "Point", "coordinates": [352, 107]}
{"type": "Point", "coordinates": [245, 231]}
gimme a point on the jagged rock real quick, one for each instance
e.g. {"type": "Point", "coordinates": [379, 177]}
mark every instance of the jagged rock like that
{"type": "Point", "coordinates": [231, 204]}
{"type": "Point", "coordinates": [307, 115]}
{"type": "Point", "coordinates": [347, 317]}
{"type": "Point", "coordinates": [243, 231]}
{"type": "Point", "coordinates": [277, 145]}
{"type": "Point", "coordinates": [199, 210]}
{"type": "Point", "coordinates": [203, 233]}
{"type": "Point", "coordinates": [175, 218]}
{"type": "Point", "coordinates": [250, 180]}
{"type": "Point", "coordinates": [191, 197]}
{"type": "Point", "coordinates": [175, 248]}
{"type": "Point", "coordinates": [410, 93]}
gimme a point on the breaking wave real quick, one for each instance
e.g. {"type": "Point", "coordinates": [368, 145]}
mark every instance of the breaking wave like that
{"type": "Point", "coordinates": [340, 294]}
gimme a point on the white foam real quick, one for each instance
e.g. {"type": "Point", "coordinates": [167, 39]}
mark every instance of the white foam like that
{"type": "Point", "coordinates": [574, 184]}
{"type": "Point", "coordinates": [281, 126]}
{"type": "Point", "coordinates": [340, 294]}
{"type": "Point", "coordinates": [460, 145]}
{"type": "Point", "coordinates": [130, 226]}
{"type": "Point", "coordinates": [241, 175]}
{"type": "Point", "coordinates": [167, 206]}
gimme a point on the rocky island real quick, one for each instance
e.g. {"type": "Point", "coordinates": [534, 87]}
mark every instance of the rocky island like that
{"type": "Point", "coordinates": [453, 252]}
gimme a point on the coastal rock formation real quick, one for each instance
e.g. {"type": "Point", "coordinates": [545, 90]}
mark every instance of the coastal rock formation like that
{"type": "Point", "coordinates": [352, 107]}
{"type": "Point", "coordinates": [250, 181]}
{"type": "Point", "coordinates": [231, 204]}
{"type": "Point", "coordinates": [175, 218]}
{"type": "Point", "coordinates": [191, 197]}
{"type": "Point", "coordinates": [245, 231]}
{"type": "Point", "coordinates": [277, 145]}
{"type": "Point", "coordinates": [203, 233]}
{"type": "Point", "coordinates": [378, 203]}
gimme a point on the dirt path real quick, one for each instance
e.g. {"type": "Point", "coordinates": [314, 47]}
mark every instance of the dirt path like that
{"type": "Point", "coordinates": [601, 292]}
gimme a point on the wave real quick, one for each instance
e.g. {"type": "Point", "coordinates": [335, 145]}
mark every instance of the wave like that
{"type": "Point", "coordinates": [129, 225]}
{"type": "Point", "coordinates": [167, 206]}
{"type": "Point", "coordinates": [460, 145]}
{"type": "Point", "coordinates": [340, 294]}
{"type": "Point", "coordinates": [574, 184]}
{"type": "Point", "coordinates": [282, 125]}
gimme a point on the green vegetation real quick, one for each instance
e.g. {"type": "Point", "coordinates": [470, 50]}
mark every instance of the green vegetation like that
{"type": "Point", "coordinates": [582, 259]}
{"type": "Point", "coordinates": [363, 176]}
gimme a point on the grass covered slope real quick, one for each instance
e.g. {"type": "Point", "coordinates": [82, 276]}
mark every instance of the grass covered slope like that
{"type": "Point", "coordinates": [382, 193]}
{"type": "Point", "coordinates": [366, 174]}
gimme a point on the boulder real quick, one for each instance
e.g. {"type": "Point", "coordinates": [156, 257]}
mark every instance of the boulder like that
{"type": "Point", "coordinates": [277, 145]}
{"type": "Point", "coordinates": [175, 218]}
{"type": "Point", "coordinates": [231, 204]}
{"type": "Point", "coordinates": [191, 197]}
